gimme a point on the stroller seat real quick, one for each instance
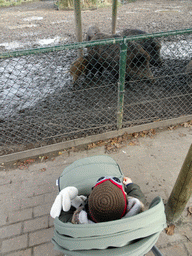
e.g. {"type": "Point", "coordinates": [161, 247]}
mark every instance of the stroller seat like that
{"type": "Point", "coordinates": [131, 236]}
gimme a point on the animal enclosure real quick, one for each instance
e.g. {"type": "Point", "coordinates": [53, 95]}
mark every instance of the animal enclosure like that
{"type": "Point", "coordinates": [42, 103]}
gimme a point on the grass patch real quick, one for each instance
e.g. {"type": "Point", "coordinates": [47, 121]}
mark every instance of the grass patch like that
{"type": "Point", "coordinates": [7, 3]}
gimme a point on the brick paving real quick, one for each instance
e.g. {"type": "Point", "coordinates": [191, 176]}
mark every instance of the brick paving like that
{"type": "Point", "coordinates": [27, 194]}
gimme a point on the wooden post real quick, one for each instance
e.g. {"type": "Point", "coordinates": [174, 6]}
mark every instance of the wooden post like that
{"type": "Point", "coordinates": [114, 16]}
{"type": "Point", "coordinates": [78, 27]}
{"type": "Point", "coordinates": [182, 190]}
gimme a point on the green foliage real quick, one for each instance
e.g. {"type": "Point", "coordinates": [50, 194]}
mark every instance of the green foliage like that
{"type": "Point", "coordinates": [85, 4]}
{"type": "Point", "coordinates": [6, 3]}
{"type": "Point", "coordinates": [65, 4]}
{"type": "Point", "coordinates": [104, 3]}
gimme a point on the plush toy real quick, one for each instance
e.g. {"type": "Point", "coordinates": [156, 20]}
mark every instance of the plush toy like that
{"type": "Point", "coordinates": [109, 200]}
{"type": "Point", "coordinates": [66, 198]}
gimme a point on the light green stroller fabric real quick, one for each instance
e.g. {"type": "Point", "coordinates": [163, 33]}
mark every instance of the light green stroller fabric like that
{"type": "Point", "coordinates": [134, 235]}
{"type": "Point", "coordinates": [84, 173]}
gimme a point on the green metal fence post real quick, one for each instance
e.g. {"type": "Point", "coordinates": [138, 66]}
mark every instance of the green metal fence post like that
{"type": "Point", "coordinates": [114, 16]}
{"type": "Point", "coordinates": [78, 27]}
{"type": "Point", "coordinates": [121, 84]}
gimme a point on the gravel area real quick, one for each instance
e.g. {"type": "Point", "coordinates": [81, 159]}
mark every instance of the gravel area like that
{"type": "Point", "coordinates": [39, 105]}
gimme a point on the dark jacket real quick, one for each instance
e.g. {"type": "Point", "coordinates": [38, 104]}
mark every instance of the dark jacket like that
{"type": "Point", "coordinates": [134, 190]}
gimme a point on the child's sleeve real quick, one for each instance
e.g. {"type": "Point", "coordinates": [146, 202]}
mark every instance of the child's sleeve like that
{"type": "Point", "coordinates": [134, 190]}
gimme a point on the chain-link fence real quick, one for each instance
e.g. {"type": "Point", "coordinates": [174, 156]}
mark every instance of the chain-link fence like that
{"type": "Point", "coordinates": [51, 95]}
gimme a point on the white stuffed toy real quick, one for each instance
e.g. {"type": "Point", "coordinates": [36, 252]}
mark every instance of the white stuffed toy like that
{"type": "Point", "coordinates": [66, 198]}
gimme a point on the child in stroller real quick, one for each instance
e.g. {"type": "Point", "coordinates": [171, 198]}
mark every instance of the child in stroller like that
{"type": "Point", "coordinates": [110, 199]}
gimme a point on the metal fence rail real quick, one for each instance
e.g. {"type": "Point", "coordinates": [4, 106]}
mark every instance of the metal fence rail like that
{"type": "Point", "coordinates": [116, 85]}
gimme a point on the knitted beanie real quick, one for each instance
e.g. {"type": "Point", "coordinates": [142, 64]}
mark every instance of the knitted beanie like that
{"type": "Point", "coordinates": [107, 202]}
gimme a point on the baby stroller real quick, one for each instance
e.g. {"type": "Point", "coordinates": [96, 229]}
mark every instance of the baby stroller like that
{"type": "Point", "coordinates": [132, 236]}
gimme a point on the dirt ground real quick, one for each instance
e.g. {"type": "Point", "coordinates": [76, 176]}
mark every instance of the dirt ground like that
{"type": "Point", "coordinates": [38, 104]}
{"type": "Point", "coordinates": [39, 24]}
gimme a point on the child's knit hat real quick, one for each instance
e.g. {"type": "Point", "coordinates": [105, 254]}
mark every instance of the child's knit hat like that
{"type": "Point", "coordinates": [107, 200]}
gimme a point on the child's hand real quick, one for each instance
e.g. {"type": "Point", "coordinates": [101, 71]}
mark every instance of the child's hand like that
{"type": "Point", "coordinates": [127, 180]}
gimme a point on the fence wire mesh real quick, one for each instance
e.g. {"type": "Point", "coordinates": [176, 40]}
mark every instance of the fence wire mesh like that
{"type": "Point", "coordinates": [57, 96]}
